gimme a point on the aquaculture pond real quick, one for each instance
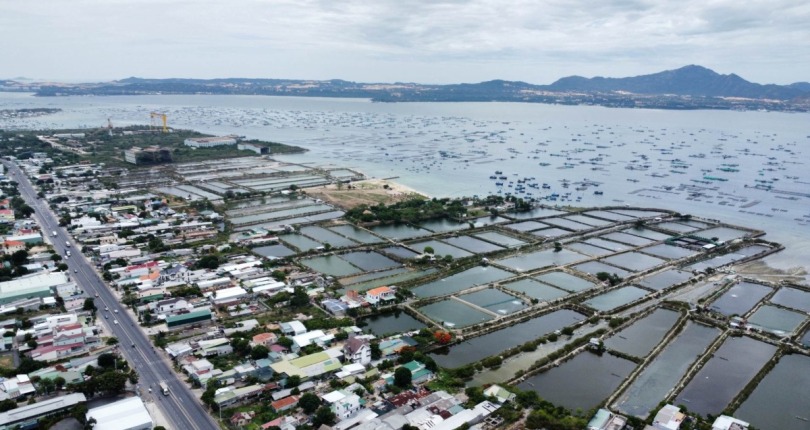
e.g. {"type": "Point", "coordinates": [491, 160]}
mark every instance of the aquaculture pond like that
{"type": "Point", "coordinates": [274, 251]}
{"type": "Point", "coordinates": [349, 280]}
{"type": "Point", "coordinates": [527, 226]}
{"type": "Point", "coordinates": [500, 239]}
{"type": "Point", "coordinates": [453, 313]}
{"type": "Point", "coordinates": [301, 242]}
{"type": "Point", "coordinates": [792, 298]}
{"type": "Point", "coordinates": [627, 239]}
{"type": "Point", "coordinates": [534, 213]}
{"type": "Point", "coordinates": [594, 267]}
{"type": "Point", "coordinates": [330, 265]}
{"type": "Point", "coordinates": [567, 223]}
{"type": "Point", "coordinates": [399, 231]}
{"type": "Point", "coordinates": [677, 227]}
{"type": "Point", "coordinates": [540, 259]}
{"type": "Point", "coordinates": [781, 400]}
{"type": "Point", "coordinates": [582, 382]}
{"type": "Point", "coordinates": [608, 244]}
{"type": "Point", "coordinates": [326, 236]}
{"type": "Point", "coordinates": [478, 275]}
{"type": "Point", "coordinates": [565, 281]}
{"type": "Point", "coordinates": [634, 261]}
{"type": "Point", "coordinates": [494, 301]}
{"type": "Point", "coordinates": [593, 222]}
{"type": "Point", "coordinates": [643, 335]}
{"type": "Point", "coordinates": [723, 234]}
{"type": "Point", "coordinates": [498, 341]}
{"type": "Point", "coordinates": [388, 323]}
{"type": "Point", "coordinates": [400, 252]}
{"type": "Point", "coordinates": [648, 233]}
{"type": "Point", "coordinates": [472, 244]}
{"type": "Point", "coordinates": [612, 216]}
{"type": "Point", "coordinates": [369, 261]}
{"type": "Point", "coordinates": [390, 280]}
{"type": "Point", "coordinates": [663, 280]}
{"type": "Point", "coordinates": [776, 320]}
{"type": "Point", "coordinates": [551, 233]}
{"type": "Point", "coordinates": [732, 366]}
{"type": "Point", "coordinates": [613, 299]}
{"type": "Point", "coordinates": [356, 234]}
{"type": "Point", "coordinates": [670, 252]}
{"type": "Point", "coordinates": [536, 290]}
{"type": "Point", "coordinates": [584, 248]}
{"type": "Point", "coordinates": [661, 375]}
{"type": "Point", "coordinates": [443, 225]}
{"type": "Point", "coordinates": [740, 298]}
{"type": "Point", "coordinates": [440, 249]}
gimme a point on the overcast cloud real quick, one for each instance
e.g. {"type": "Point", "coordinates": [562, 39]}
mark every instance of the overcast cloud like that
{"type": "Point", "coordinates": [402, 40]}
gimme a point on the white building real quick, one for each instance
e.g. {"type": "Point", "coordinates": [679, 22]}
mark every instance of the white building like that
{"type": "Point", "coordinates": [725, 422]}
{"type": "Point", "coordinates": [227, 295]}
{"type": "Point", "coordinates": [127, 414]}
{"type": "Point", "coordinates": [209, 142]}
{"type": "Point", "coordinates": [357, 350]}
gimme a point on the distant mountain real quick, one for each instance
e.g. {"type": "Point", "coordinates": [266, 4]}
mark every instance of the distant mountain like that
{"type": "Point", "coordinates": [690, 87]}
{"type": "Point", "coordinates": [686, 81]}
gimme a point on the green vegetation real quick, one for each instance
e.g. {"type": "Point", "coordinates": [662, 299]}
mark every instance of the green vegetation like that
{"type": "Point", "coordinates": [413, 210]}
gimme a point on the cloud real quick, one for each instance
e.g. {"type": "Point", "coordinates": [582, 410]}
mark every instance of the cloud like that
{"type": "Point", "coordinates": [404, 40]}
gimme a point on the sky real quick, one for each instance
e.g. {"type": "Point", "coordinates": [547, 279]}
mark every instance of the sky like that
{"type": "Point", "coordinates": [425, 41]}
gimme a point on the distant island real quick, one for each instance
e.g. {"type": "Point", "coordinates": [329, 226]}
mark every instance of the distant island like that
{"type": "Point", "coordinates": [689, 87]}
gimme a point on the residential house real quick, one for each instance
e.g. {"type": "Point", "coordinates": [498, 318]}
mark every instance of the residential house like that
{"type": "Point", "coordinates": [12, 246]}
{"type": "Point", "coordinates": [228, 396]}
{"type": "Point", "coordinates": [284, 404]}
{"type": "Point", "coordinates": [310, 366]}
{"type": "Point", "coordinates": [264, 339]}
{"type": "Point", "coordinates": [669, 417]}
{"type": "Point", "coordinates": [317, 337]}
{"type": "Point", "coordinates": [357, 350]}
{"type": "Point", "coordinates": [725, 422]}
{"type": "Point", "coordinates": [343, 403]}
{"type": "Point", "coordinates": [606, 420]}
{"type": "Point", "coordinates": [241, 419]}
{"type": "Point", "coordinates": [380, 295]}
{"type": "Point", "coordinates": [293, 328]}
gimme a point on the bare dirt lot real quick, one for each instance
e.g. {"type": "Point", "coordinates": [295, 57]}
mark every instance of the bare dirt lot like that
{"type": "Point", "coordinates": [370, 192]}
{"type": "Point", "coordinates": [760, 269]}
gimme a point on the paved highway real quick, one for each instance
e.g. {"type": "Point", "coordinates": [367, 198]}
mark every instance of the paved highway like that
{"type": "Point", "coordinates": [181, 408]}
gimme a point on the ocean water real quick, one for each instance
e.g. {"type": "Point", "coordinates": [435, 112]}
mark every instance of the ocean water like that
{"type": "Point", "coordinates": [747, 168]}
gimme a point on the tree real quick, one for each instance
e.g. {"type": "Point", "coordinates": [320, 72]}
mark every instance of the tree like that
{"type": "Point", "coordinates": [47, 385]}
{"type": "Point", "coordinates": [285, 342]}
{"type": "Point", "coordinates": [89, 304]}
{"type": "Point", "coordinates": [7, 405]}
{"type": "Point", "coordinates": [402, 377]}
{"type": "Point", "coordinates": [293, 381]}
{"type": "Point", "coordinates": [207, 262]}
{"type": "Point", "coordinates": [309, 403]}
{"type": "Point", "coordinates": [106, 360]}
{"type": "Point", "coordinates": [324, 415]}
{"type": "Point", "coordinates": [442, 337]}
{"type": "Point", "coordinates": [557, 247]}
{"type": "Point", "coordinates": [429, 250]}
{"type": "Point", "coordinates": [59, 382]}
{"type": "Point", "coordinates": [19, 257]}
{"type": "Point", "coordinates": [62, 267]}
{"type": "Point", "coordinates": [376, 353]}
{"type": "Point", "coordinates": [300, 297]}
{"type": "Point", "coordinates": [259, 352]}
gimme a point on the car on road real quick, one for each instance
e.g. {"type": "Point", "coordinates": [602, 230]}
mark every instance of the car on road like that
{"type": "Point", "coordinates": [115, 322]}
{"type": "Point", "coordinates": [116, 311]}
{"type": "Point", "coordinates": [75, 270]}
{"type": "Point", "coordinates": [106, 317]}
{"type": "Point", "coordinates": [106, 309]}
{"type": "Point", "coordinates": [96, 294]}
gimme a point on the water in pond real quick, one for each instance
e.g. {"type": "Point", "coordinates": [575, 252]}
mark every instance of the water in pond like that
{"type": "Point", "coordinates": [551, 233]}
{"type": "Point", "coordinates": [646, 232]}
{"type": "Point", "coordinates": [325, 236]}
{"type": "Point", "coordinates": [677, 227]}
{"type": "Point", "coordinates": [443, 225]}
{"type": "Point", "coordinates": [611, 216]}
{"type": "Point", "coordinates": [369, 261]}
{"type": "Point", "coordinates": [500, 239]}
{"type": "Point", "coordinates": [593, 222]}
{"type": "Point", "coordinates": [661, 375]}
{"type": "Point", "coordinates": [723, 234]}
{"type": "Point", "coordinates": [740, 298]}
{"type": "Point", "coordinates": [594, 267]}
{"type": "Point", "coordinates": [356, 233]}
{"type": "Point", "coordinates": [540, 259]}
{"type": "Point", "coordinates": [565, 281]}
{"type": "Point", "coordinates": [567, 224]}
{"type": "Point", "coordinates": [453, 313]}
{"type": "Point", "coordinates": [628, 239]}
{"type": "Point", "coordinates": [274, 251]}
{"type": "Point", "coordinates": [461, 281]}
{"type": "Point", "coordinates": [472, 244]}
{"type": "Point", "coordinates": [582, 382]}
{"type": "Point", "coordinates": [527, 226]}
{"type": "Point", "coordinates": [391, 280]}
{"type": "Point", "coordinates": [671, 252]}
{"type": "Point", "coordinates": [733, 365]}
{"type": "Point", "coordinates": [634, 261]}
{"type": "Point", "coordinates": [534, 213]}
{"type": "Point", "coordinates": [399, 251]}
{"type": "Point", "coordinates": [776, 320]}
{"type": "Point", "coordinates": [369, 276]}
{"type": "Point", "coordinates": [440, 249]}
{"type": "Point", "coordinates": [607, 244]}
{"type": "Point", "coordinates": [612, 300]}
{"type": "Point", "coordinates": [399, 231]}
{"type": "Point", "coordinates": [494, 301]}
{"type": "Point", "coordinates": [394, 322]}
{"type": "Point", "coordinates": [331, 265]}
{"type": "Point", "coordinates": [496, 342]}
{"type": "Point", "coordinates": [303, 243]}
{"type": "Point", "coordinates": [637, 213]}
{"type": "Point", "coordinates": [584, 248]}
{"type": "Point", "coordinates": [643, 335]}
{"type": "Point", "coordinates": [536, 290]}
{"type": "Point", "coordinates": [665, 279]}
{"type": "Point", "coordinates": [792, 298]}
{"type": "Point", "coordinates": [782, 399]}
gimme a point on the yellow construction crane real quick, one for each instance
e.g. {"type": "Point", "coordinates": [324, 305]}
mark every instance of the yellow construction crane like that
{"type": "Point", "coordinates": [162, 116]}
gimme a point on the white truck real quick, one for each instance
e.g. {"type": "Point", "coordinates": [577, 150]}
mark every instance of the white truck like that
{"type": "Point", "coordinates": [54, 233]}
{"type": "Point", "coordinates": [164, 388]}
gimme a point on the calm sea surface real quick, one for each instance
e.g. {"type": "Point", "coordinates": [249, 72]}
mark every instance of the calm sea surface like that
{"type": "Point", "coordinates": [748, 168]}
